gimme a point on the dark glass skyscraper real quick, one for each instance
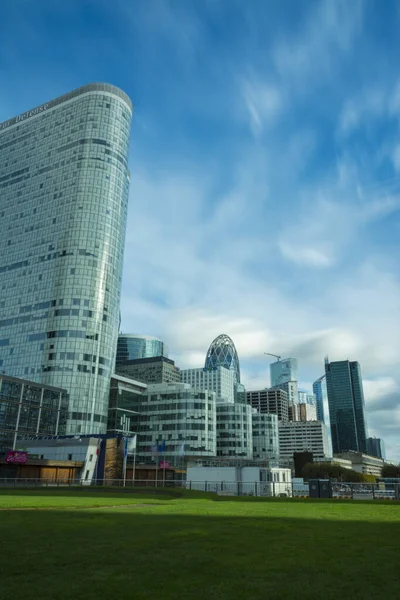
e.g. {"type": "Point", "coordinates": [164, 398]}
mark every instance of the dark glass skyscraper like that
{"type": "Point", "coordinates": [346, 406]}
{"type": "Point", "coordinates": [132, 346]}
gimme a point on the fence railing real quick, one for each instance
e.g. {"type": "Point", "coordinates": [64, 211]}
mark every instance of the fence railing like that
{"type": "Point", "coordinates": [356, 491]}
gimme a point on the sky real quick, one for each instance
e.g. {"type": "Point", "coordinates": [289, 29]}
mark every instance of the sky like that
{"type": "Point", "coordinates": [265, 171]}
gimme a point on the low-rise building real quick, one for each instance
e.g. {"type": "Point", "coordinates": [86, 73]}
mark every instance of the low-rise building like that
{"type": "Point", "coordinates": [303, 436]}
{"type": "Point", "coordinates": [240, 480]}
{"type": "Point", "coordinates": [363, 463]}
{"type": "Point", "coordinates": [29, 408]}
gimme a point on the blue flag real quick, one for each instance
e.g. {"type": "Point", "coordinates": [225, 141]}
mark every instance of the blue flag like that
{"type": "Point", "coordinates": [162, 446]}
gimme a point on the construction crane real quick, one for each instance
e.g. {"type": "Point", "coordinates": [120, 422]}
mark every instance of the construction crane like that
{"type": "Point", "coordinates": [275, 355]}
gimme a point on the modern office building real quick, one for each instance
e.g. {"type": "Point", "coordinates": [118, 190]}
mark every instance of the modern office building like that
{"type": "Point", "coordinates": [29, 409]}
{"type": "Point", "coordinates": [362, 463]}
{"type": "Point", "coordinates": [269, 401]}
{"type": "Point", "coordinates": [222, 353]}
{"type": "Point", "coordinates": [219, 380]}
{"type": "Point", "coordinates": [125, 405]}
{"type": "Point", "coordinates": [150, 370]}
{"type": "Point", "coordinates": [376, 447]}
{"type": "Point", "coordinates": [265, 436]}
{"type": "Point", "coordinates": [234, 430]}
{"type": "Point", "coordinates": [303, 436]}
{"type": "Point", "coordinates": [64, 182]}
{"type": "Point", "coordinates": [134, 346]}
{"type": "Point", "coordinates": [180, 416]}
{"type": "Point", "coordinates": [283, 371]}
{"type": "Point", "coordinates": [291, 389]}
{"type": "Point", "coordinates": [346, 406]}
{"type": "Point", "coordinates": [321, 395]}
{"type": "Point", "coordinates": [306, 407]}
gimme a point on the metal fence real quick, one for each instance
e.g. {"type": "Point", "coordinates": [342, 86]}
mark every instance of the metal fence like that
{"type": "Point", "coordinates": [355, 491]}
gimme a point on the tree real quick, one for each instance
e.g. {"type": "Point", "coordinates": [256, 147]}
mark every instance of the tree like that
{"type": "Point", "coordinates": [328, 471]}
{"type": "Point", "coordinates": [391, 471]}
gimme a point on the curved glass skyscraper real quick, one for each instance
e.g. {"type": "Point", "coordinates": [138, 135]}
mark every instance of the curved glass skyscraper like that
{"type": "Point", "coordinates": [132, 346]}
{"type": "Point", "coordinates": [64, 182]}
{"type": "Point", "coordinates": [222, 353]}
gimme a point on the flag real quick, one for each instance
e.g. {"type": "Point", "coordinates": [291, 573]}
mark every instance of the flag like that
{"type": "Point", "coordinates": [181, 450]}
{"type": "Point", "coordinates": [132, 444]}
{"type": "Point", "coordinates": [154, 448]}
{"type": "Point", "coordinates": [162, 446]}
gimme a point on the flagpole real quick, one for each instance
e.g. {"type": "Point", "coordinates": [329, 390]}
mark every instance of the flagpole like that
{"type": "Point", "coordinates": [125, 457]}
{"type": "Point", "coordinates": [157, 465]}
{"type": "Point", "coordinates": [165, 449]}
{"type": "Point", "coordinates": [134, 463]}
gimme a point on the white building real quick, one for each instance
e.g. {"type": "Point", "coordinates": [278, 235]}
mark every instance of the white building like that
{"type": "Point", "coordinates": [240, 480]}
{"type": "Point", "coordinates": [303, 436]}
{"type": "Point", "coordinates": [219, 380]}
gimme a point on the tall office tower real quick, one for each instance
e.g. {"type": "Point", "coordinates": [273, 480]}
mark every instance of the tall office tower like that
{"type": "Point", "coordinates": [376, 447]}
{"type": "Point", "coordinates": [64, 183]}
{"type": "Point", "coordinates": [346, 406]}
{"type": "Point", "coordinates": [133, 346]}
{"type": "Point", "coordinates": [266, 401]}
{"type": "Point", "coordinates": [321, 395]}
{"type": "Point", "coordinates": [283, 371]}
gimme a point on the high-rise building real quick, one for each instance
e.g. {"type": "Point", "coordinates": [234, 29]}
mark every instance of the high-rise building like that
{"type": "Point", "coordinates": [283, 371]}
{"type": "Point", "coordinates": [321, 395]}
{"type": "Point", "coordinates": [269, 401]}
{"type": "Point", "coordinates": [222, 353]}
{"type": "Point", "coordinates": [303, 436]}
{"type": "Point", "coordinates": [134, 346]}
{"type": "Point", "coordinates": [346, 406]}
{"type": "Point", "coordinates": [150, 370]}
{"type": "Point", "coordinates": [219, 380]}
{"type": "Point", "coordinates": [64, 182]}
{"type": "Point", "coordinates": [234, 430]}
{"type": "Point", "coordinates": [265, 436]}
{"type": "Point", "coordinates": [376, 447]}
{"type": "Point", "coordinates": [306, 407]}
{"type": "Point", "coordinates": [183, 418]}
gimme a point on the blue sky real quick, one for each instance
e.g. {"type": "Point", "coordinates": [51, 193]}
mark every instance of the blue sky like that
{"type": "Point", "coordinates": [265, 162]}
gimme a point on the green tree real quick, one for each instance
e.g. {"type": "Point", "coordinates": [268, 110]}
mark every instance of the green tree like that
{"type": "Point", "coordinates": [391, 471]}
{"type": "Point", "coordinates": [328, 471]}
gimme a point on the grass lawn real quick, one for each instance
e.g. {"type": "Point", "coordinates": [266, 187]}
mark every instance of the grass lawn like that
{"type": "Point", "coordinates": [88, 544]}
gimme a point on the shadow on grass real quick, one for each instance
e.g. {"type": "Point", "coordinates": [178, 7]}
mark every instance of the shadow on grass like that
{"type": "Point", "coordinates": [76, 555]}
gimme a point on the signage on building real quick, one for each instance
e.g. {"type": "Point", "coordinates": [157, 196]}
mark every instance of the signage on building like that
{"type": "Point", "coordinates": [26, 115]}
{"type": "Point", "coordinates": [164, 465]}
{"type": "Point", "coordinates": [15, 456]}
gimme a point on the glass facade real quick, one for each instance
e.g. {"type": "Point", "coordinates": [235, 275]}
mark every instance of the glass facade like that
{"type": "Point", "coordinates": [30, 409]}
{"type": "Point", "coordinates": [283, 371]}
{"type": "Point", "coordinates": [222, 353]}
{"type": "Point", "coordinates": [182, 417]}
{"type": "Point", "coordinates": [265, 436]}
{"type": "Point", "coordinates": [321, 395]}
{"type": "Point", "coordinates": [346, 406]}
{"type": "Point", "coordinates": [132, 347]}
{"type": "Point", "coordinates": [234, 430]}
{"type": "Point", "coordinates": [124, 406]}
{"type": "Point", "coordinates": [64, 182]}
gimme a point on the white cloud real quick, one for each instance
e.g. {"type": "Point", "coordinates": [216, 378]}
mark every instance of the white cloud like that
{"type": "Point", "coordinates": [304, 255]}
{"type": "Point", "coordinates": [263, 101]}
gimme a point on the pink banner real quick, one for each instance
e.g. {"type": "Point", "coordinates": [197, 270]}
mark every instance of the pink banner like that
{"type": "Point", "coordinates": [164, 465]}
{"type": "Point", "coordinates": [14, 456]}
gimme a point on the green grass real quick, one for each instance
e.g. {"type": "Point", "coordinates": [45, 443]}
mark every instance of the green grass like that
{"type": "Point", "coordinates": [190, 546]}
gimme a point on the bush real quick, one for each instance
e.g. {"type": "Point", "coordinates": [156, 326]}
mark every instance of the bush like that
{"type": "Point", "coordinates": [391, 471]}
